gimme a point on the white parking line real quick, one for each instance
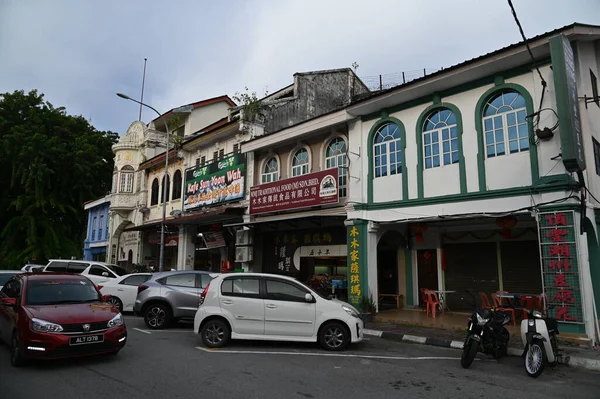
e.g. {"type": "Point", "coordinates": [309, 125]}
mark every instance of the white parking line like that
{"type": "Point", "coordinates": [142, 331]}
{"type": "Point", "coordinates": [165, 331]}
{"type": "Point", "coordinates": [349, 355]}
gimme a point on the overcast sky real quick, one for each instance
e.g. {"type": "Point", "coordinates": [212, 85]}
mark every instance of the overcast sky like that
{"type": "Point", "coordinates": [80, 52]}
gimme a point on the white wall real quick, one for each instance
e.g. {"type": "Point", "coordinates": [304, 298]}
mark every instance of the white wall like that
{"type": "Point", "coordinates": [206, 115]}
{"type": "Point", "coordinates": [512, 170]}
{"type": "Point", "coordinates": [172, 205]}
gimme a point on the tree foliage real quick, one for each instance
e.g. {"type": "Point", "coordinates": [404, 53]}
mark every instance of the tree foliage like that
{"type": "Point", "coordinates": [50, 164]}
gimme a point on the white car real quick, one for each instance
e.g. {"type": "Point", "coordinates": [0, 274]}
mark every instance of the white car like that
{"type": "Point", "coordinates": [5, 275]}
{"type": "Point", "coordinates": [98, 272]}
{"type": "Point", "coordinates": [272, 307]}
{"type": "Point", "coordinates": [123, 290]}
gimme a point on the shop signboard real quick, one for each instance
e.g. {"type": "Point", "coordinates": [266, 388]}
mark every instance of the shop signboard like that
{"type": "Point", "coordinates": [560, 266]}
{"type": "Point", "coordinates": [218, 182]}
{"type": "Point", "coordinates": [356, 254]}
{"type": "Point", "coordinates": [567, 103]}
{"type": "Point", "coordinates": [313, 189]}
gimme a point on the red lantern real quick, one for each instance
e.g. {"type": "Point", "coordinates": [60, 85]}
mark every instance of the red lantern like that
{"type": "Point", "coordinates": [506, 223]}
{"type": "Point", "coordinates": [418, 229]}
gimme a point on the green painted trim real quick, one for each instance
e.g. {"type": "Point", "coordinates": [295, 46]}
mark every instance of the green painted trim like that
{"type": "Point", "coordinates": [594, 260]}
{"type": "Point", "coordinates": [471, 196]}
{"type": "Point", "coordinates": [408, 276]}
{"type": "Point", "coordinates": [571, 328]}
{"type": "Point", "coordinates": [488, 80]}
{"type": "Point", "coordinates": [419, 135]}
{"type": "Point", "coordinates": [533, 154]}
{"type": "Point", "coordinates": [371, 172]}
{"type": "Point", "coordinates": [559, 208]}
{"type": "Point", "coordinates": [499, 81]}
{"type": "Point", "coordinates": [597, 214]}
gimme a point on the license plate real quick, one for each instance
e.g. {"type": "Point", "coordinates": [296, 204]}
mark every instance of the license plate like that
{"type": "Point", "coordinates": [88, 339]}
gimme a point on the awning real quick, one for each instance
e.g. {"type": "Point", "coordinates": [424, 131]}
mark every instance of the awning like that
{"type": "Point", "coordinates": [210, 215]}
{"type": "Point", "coordinates": [339, 212]}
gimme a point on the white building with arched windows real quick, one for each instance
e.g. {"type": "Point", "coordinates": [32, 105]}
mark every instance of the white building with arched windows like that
{"type": "Point", "coordinates": [484, 176]}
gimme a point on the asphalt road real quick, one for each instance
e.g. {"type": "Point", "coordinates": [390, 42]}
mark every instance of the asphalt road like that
{"type": "Point", "coordinates": [169, 364]}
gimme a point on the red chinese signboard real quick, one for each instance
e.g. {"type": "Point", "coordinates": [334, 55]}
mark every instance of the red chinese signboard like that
{"type": "Point", "coordinates": [313, 189]}
{"type": "Point", "coordinates": [560, 265]}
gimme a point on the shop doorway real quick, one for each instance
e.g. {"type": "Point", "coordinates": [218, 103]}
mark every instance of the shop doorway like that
{"type": "Point", "coordinates": [427, 269]}
{"type": "Point", "coordinates": [388, 271]}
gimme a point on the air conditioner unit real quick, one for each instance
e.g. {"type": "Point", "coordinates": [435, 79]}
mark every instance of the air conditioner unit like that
{"type": "Point", "coordinates": [243, 237]}
{"type": "Point", "coordinates": [244, 254]}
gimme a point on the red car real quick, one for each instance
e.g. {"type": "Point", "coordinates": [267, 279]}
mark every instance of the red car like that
{"type": "Point", "coordinates": [55, 315]}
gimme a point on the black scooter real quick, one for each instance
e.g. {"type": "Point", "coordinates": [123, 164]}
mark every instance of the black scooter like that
{"type": "Point", "coordinates": [486, 334]}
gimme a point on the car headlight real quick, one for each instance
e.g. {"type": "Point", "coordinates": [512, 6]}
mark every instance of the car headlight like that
{"type": "Point", "coordinates": [40, 325]}
{"type": "Point", "coordinates": [350, 311]}
{"type": "Point", "coordinates": [116, 321]}
{"type": "Point", "coordinates": [481, 321]}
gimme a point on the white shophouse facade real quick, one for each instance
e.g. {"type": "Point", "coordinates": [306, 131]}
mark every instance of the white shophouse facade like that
{"type": "Point", "coordinates": [454, 181]}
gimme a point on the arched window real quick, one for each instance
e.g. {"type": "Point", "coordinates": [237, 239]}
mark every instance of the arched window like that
{"type": "Point", "coordinates": [504, 121]}
{"type": "Point", "coordinates": [270, 172]}
{"type": "Point", "coordinates": [300, 162]}
{"type": "Point", "coordinates": [177, 187]}
{"type": "Point", "coordinates": [115, 180]}
{"type": "Point", "coordinates": [335, 156]}
{"type": "Point", "coordinates": [387, 147]}
{"type": "Point", "coordinates": [154, 194]}
{"type": "Point", "coordinates": [126, 183]}
{"type": "Point", "coordinates": [165, 187]}
{"type": "Point", "coordinates": [440, 139]}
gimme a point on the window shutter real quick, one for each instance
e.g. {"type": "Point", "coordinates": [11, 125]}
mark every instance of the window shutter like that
{"type": "Point", "coordinates": [221, 153]}
{"type": "Point", "coordinates": [236, 147]}
{"type": "Point", "coordinates": [197, 162]}
{"type": "Point", "coordinates": [203, 161]}
{"type": "Point", "coordinates": [215, 155]}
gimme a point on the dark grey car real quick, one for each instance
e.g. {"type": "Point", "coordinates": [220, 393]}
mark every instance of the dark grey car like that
{"type": "Point", "coordinates": [171, 296]}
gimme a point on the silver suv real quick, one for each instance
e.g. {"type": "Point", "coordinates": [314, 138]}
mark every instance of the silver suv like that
{"type": "Point", "coordinates": [171, 296]}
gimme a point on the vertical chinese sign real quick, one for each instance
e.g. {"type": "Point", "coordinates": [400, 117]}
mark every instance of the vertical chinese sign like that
{"type": "Point", "coordinates": [355, 259]}
{"type": "Point", "coordinates": [560, 266]}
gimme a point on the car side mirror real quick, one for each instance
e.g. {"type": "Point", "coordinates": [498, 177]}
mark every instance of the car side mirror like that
{"type": "Point", "coordinates": [104, 274]}
{"type": "Point", "coordinates": [9, 302]}
{"type": "Point", "coordinates": [309, 298]}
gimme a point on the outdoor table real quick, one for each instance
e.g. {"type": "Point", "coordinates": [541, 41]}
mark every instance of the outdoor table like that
{"type": "Point", "coordinates": [516, 297]}
{"type": "Point", "coordinates": [442, 297]}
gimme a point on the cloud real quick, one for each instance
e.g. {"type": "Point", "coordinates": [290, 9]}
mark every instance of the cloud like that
{"type": "Point", "coordinates": [80, 53]}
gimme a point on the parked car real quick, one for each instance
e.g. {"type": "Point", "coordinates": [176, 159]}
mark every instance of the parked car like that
{"type": "Point", "coordinates": [98, 272]}
{"type": "Point", "coordinates": [275, 308]}
{"type": "Point", "coordinates": [122, 291]}
{"type": "Point", "coordinates": [171, 296]}
{"type": "Point", "coordinates": [30, 267]}
{"type": "Point", "coordinates": [5, 275]}
{"type": "Point", "coordinates": [57, 315]}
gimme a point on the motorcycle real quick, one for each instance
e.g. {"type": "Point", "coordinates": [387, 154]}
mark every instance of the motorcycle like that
{"type": "Point", "coordinates": [486, 334]}
{"type": "Point", "coordinates": [538, 334]}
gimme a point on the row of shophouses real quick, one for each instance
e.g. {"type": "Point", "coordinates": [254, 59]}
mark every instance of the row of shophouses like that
{"type": "Point", "coordinates": [482, 176]}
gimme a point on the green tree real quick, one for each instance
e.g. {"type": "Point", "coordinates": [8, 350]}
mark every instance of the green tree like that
{"type": "Point", "coordinates": [50, 164]}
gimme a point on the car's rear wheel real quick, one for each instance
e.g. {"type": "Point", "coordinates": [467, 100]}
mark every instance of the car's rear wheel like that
{"type": "Point", "coordinates": [157, 316]}
{"type": "Point", "coordinates": [334, 336]}
{"type": "Point", "coordinates": [116, 302]}
{"type": "Point", "coordinates": [17, 358]}
{"type": "Point", "coordinates": [215, 334]}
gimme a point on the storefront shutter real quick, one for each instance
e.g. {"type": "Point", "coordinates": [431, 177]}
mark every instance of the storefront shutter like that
{"type": "Point", "coordinates": [472, 267]}
{"type": "Point", "coordinates": [521, 271]}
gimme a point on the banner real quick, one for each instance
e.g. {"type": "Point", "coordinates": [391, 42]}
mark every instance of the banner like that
{"type": "Point", "coordinates": [218, 182]}
{"type": "Point", "coordinates": [319, 188]}
{"type": "Point", "coordinates": [128, 242]}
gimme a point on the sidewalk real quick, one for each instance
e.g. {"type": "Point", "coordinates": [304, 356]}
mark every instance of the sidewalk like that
{"type": "Point", "coordinates": [571, 356]}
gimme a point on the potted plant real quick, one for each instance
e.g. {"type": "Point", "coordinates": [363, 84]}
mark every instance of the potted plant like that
{"type": "Point", "coordinates": [368, 308]}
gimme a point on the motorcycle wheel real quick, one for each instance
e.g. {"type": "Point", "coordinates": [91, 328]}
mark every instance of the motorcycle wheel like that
{"type": "Point", "coordinates": [535, 360]}
{"type": "Point", "coordinates": [468, 354]}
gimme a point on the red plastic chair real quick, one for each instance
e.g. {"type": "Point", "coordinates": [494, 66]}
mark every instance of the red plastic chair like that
{"type": "Point", "coordinates": [498, 306]}
{"type": "Point", "coordinates": [485, 301]}
{"type": "Point", "coordinates": [433, 302]}
{"type": "Point", "coordinates": [529, 302]}
{"type": "Point", "coordinates": [423, 298]}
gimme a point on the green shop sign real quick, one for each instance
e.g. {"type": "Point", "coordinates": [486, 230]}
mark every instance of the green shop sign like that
{"type": "Point", "coordinates": [218, 182]}
{"type": "Point", "coordinates": [567, 103]}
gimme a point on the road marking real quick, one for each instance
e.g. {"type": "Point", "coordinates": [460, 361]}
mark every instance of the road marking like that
{"type": "Point", "coordinates": [348, 355]}
{"type": "Point", "coordinates": [142, 331]}
{"type": "Point", "coordinates": [166, 331]}
{"type": "Point", "coordinates": [457, 344]}
{"type": "Point", "coordinates": [412, 338]}
{"type": "Point", "coordinates": [372, 332]}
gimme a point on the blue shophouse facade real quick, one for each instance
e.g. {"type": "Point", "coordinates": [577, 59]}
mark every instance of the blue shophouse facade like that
{"type": "Point", "coordinates": [95, 245]}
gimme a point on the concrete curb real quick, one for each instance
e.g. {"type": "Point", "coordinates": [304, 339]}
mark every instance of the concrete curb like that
{"type": "Point", "coordinates": [574, 361]}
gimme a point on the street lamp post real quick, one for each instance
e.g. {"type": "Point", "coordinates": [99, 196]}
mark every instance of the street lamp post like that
{"type": "Point", "coordinates": [161, 260]}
